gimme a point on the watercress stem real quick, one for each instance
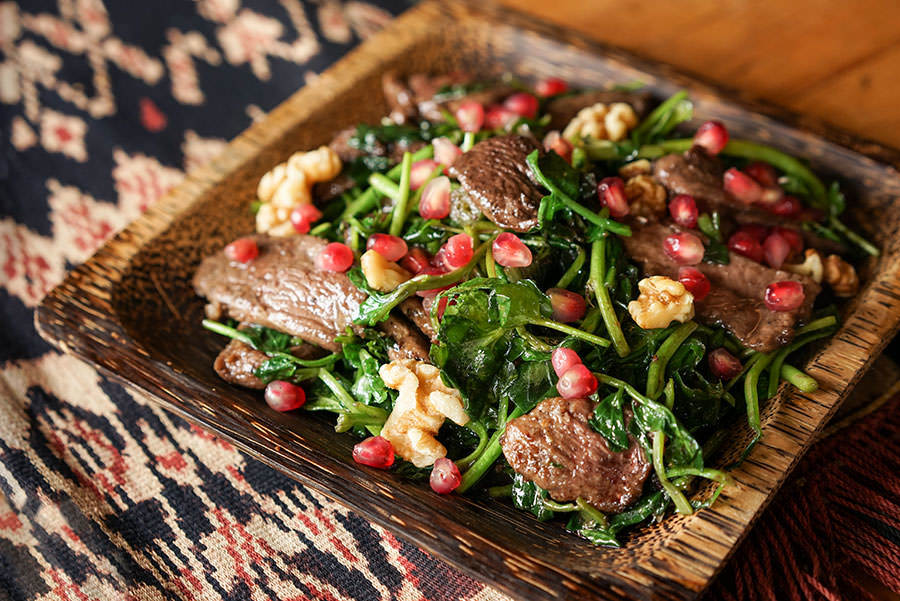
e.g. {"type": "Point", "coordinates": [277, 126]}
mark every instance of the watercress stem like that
{"type": "Point", "coordinates": [221, 328]}
{"type": "Point", "coordinates": [657, 372]}
{"type": "Point", "coordinates": [491, 453]}
{"type": "Point", "coordinates": [477, 428]}
{"type": "Point", "coordinates": [384, 186]}
{"type": "Point", "coordinates": [369, 199]}
{"type": "Point", "coordinates": [598, 268]}
{"type": "Point", "coordinates": [574, 332]}
{"type": "Point", "coordinates": [398, 217]}
{"type": "Point", "coordinates": [682, 505]}
{"type": "Point", "coordinates": [573, 269]}
{"type": "Point", "coordinates": [592, 513]}
{"type": "Point", "coordinates": [804, 382]}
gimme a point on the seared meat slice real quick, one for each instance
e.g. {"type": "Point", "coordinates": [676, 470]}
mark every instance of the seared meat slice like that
{"type": "Point", "coordinates": [564, 108]}
{"type": "Point", "coordinates": [736, 299]}
{"type": "Point", "coordinates": [237, 362]}
{"type": "Point", "coordinates": [414, 98]}
{"type": "Point", "coordinates": [499, 182]}
{"type": "Point", "coordinates": [415, 311]}
{"type": "Point", "coordinates": [283, 289]}
{"type": "Point", "coordinates": [556, 448]}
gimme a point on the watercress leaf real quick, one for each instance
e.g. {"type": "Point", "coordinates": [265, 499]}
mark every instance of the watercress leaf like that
{"type": "Point", "coordinates": [268, 340]}
{"type": "Point", "coordinates": [716, 252]}
{"type": "Point", "coordinates": [837, 202]}
{"type": "Point", "coordinates": [275, 368]}
{"type": "Point", "coordinates": [555, 173]}
{"type": "Point", "coordinates": [529, 496]}
{"type": "Point", "coordinates": [609, 421]}
{"type": "Point", "coordinates": [525, 384]}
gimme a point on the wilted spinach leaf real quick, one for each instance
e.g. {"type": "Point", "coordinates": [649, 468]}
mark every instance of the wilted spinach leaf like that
{"type": "Point", "coordinates": [530, 497]}
{"type": "Point", "coordinates": [609, 421]}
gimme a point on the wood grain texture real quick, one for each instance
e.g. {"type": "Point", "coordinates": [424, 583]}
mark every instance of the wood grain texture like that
{"type": "Point", "coordinates": [131, 310]}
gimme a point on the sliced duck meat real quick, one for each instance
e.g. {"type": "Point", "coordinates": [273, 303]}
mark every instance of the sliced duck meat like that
{"type": "Point", "coordinates": [414, 310]}
{"type": "Point", "coordinates": [237, 363]}
{"type": "Point", "coordinates": [420, 97]}
{"type": "Point", "coordinates": [555, 447]}
{"type": "Point", "coordinates": [564, 108]}
{"type": "Point", "coordinates": [738, 289]}
{"type": "Point", "coordinates": [283, 289]}
{"type": "Point", "coordinates": [408, 341]}
{"type": "Point", "coordinates": [497, 179]}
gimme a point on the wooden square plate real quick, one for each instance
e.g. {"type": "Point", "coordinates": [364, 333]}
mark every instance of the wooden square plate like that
{"type": "Point", "coordinates": [131, 311]}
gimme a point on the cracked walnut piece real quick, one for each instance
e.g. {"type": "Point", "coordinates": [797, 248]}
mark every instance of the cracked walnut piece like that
{"type": "Point", "coordinates": [841, 276]}
{"type": "Point", "coordinates": [423, 404]}
{"type": "Point", "coordinates": [811, 265]}
{"type": "Point", "coordinates": [289, 184]}
{"type": "Point", "coordinates": [662, 301]}
{"type": "Point", "coordinates": [601, 122]}
{"type": "Point", "coordinates": [381, 274]}
{"type": "Point", "coordinates": [646, 197]}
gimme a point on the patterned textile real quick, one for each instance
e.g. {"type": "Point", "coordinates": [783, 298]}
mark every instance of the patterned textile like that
{"type": "Point", "coordinates": [103, 107]}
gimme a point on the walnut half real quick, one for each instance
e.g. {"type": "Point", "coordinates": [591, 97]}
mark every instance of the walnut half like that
{"type": "Point", "coordinates": [841, 276]}
{"type": "Point", "coordinates": [662, 301]}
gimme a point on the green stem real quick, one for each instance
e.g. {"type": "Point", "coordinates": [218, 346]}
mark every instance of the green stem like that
{"type": "Point", "coordinates": [491, 453]}
{"type": "Point", "coordinates": [337, 389]}
{"type": "Point", "coordinates": [496, 492]}
{"type": "Point", "coordinates": [320, 229]}
{"type": "Point", "coordinates": [657, 372]}
{"type": "Point", "coordinates": [369, 199]}
{"type": "Point", "coordinates": [398, 218]}
{"type": "Point", "coordinates": [858, 240]}
{"type": "Point", "coordinates": [477, 428]}
{"type": "Point", "coordinates": [669, 392]}
{"type": "Point", "coordinates": [809, 335]}
{"type": "Point", "coordinates": [817, 324]}
{"type": "Point", "coordinates": [802, 381]}
{"type": "Point", "coordinates": [490, 268]}
{"type": "Point", "coordinates": [533, 340]}
{"type": "Point", "coordinates": [560, 507]}
{"type": "Point", "coordinates": [573, 269]}
{"type": "Point", "coordinates": [592, 513]}
{"type": "Point", "coordinates": [221, 328]}
{"type": "Point", "coordinates": [613, 327]}
{"type": "Point", "coordinates": [751, 396]}
{"type": "Point", "coordinates": [384, 186]}
{"type": "Point", "coordinates": [574, 332]}
{"type": "Point", "coordinates": [682, 505]}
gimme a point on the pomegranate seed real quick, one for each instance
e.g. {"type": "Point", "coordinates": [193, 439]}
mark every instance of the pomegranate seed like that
{"type": "Point", "coordinates": [499, 117]}
{"type": "Point", "coordinates": [746, 245]}
{"type": "Point", "coordinates": [793, 237]}
{"type": "Point", "coordinates": [420, 171]}
{"type": "Point", "coordinates": [695, 282]}
{"type": "Point", "coordinates": [433, 291]}
{"type": "Point", "coordinates": [445, 476]}
{"type": "Point", "coordinates": [522, 104]}
{"type": "Point", "coordinates": [284, 396]}
{"type": "Point", "coordinates": [683, 210]}
{"type": "Point", "coordinates": [242, 250]}
{"type": "Point", "coordinates": [470, 116]}
{"type": "Point", "coordinates": [555, 142]}
{"type": "Point", "coordinates": [712, 137]}
{"type": "Point", "coordinates": [771, 196]}
{"type": "Point", "coordinates": [303, 216]}
{"type": "Point", "coordinates": [509, 251]}
{"type": "Point", "coordinates": [567, 306]}
{"type": "Point", "coordinates": [562, 359]}
{"type": "Point", "coordinates": [456, 252]}
{"type": "Point", "coordinates": [415, 260]}
{"type": "Point", "coordinates": [390, 247]}
{"type": "Point", "coordinates": [684, 248]}
{"type": "Point", "coordinates": [756, 231]}
{"type": "Point", "coordinates": [776, 249]}
{"type": "Point", "coordinates": [551, 87]}
{"type": "Point", "coordinates": [435, 200]}
{"type": "Point", "coordinates": [723, 364]}
{"type": "Point", "coordinates": [788, 206]}
{"type": "Point", "coordinates": [375, 451]}
{"type": "Point", "coordinates": [335, 257]}
{"type": "Point", "coordinates": [445, 151]}
{"type": "Point", "coordinates": [576, 383]}
{"type": "Point", "coordinates": [742, 186]}
{"type": "Point", "coordinates": [442, 306]}
{"type": "Point", "coordinates": [611, 191]}
{"type": "Point", "coordinates": [785, 295]}
{"type": "Point", "coordinates": [764, 173]}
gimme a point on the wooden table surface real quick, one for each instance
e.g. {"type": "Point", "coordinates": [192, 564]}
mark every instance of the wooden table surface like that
{"type": "Point", "coordinates": [837, 61]}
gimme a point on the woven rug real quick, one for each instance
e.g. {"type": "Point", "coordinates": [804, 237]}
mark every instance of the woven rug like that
{"type": "Point", "coordinates": [103, 107]}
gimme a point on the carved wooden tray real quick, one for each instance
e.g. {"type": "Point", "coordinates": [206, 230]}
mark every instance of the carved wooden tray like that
{"type": "Point", "coordinates": [131, 311]}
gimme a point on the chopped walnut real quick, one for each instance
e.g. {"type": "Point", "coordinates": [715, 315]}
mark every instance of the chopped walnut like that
{"type": "Point", "coordinates": [422, 405]}
{"type": "Point", "coordinates": [662, 301]}
{"type": "Point", "coordinates": [601, 122]}
{"type": "Point", "coordinates": [810, 267]}
{"type": "Point", "coordinates": [638, 167]}
{"type": "Point", "coordinates": [841, 276]}
{"type": "Point", "coordinates": [290, 184]}
{"type": "Point", "coordinates": [646, 197]}
{"type": "Point", "coordinates": [381, 274]}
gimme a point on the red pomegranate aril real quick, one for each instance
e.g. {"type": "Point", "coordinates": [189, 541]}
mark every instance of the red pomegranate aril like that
{"type": "Point", "coordinates": [746, 245]}
{"type": "Point", "coordinates": [375, 451]}
{"type": "Point", "coordinates": [522, 104]}
{"type": "Point", "coordinates": [611, 191]}
{"type": "Point", "coordinates": [788, 206]}
{"type": "Point", "coordinates": [284, 396]}
{"type": "Point", "coordinates": [555, 142]}
{"type": "Point", "coordinates": [433, 291]}
{"type": "Point", "coordinates": [742, 186]}
{"type": "Point", "coordinates": [764, 173]}
{"type": "Point", "coordinates": [756, 231]}
{"type": "Point", "coordinates": [723, 364]}
{"type": "Point", "coordinates": [420, 171]}
{"type": "Point", "coordinates": [242, 250]}
{"type": "Point", "coordinates": [392, 248]}
{"type": "Point", "coordinates": [785, 295]}
{"type": "Point", "coordinates": [335, 257]}
{"type": "Point", "coordinates": [456, 252]}
{"type": "Point", "coordinates": [470, 116]}
{"type": "Point", "coordinates": [435, 200]}
{"type": "Point", "coordinates": [445, 476]}
{"type": "Point", "coordinates": [303, 216]}
{"type": "Point", "coordinates": [551, 87]}
{"type": "Point", "coordinates": [562, 359]}
{"type": "Point", "coordinates": [684, 248]}
{"type": "Point", "coordinates": [441, 307]}
{"type": "Point", "coordinates": [415, 260]}
{"type": "Point", "coordinates": [776, 249]}
{"type": "Point", "coordinates": [567, 306]}
{"type": "Point", "coordinates": [499, 117]}
{"type": "Point", "coordinates": [793, 237]}
{"type": "Point", "coordinates": [695, 281]}
{"type": "Point", "coordinates": [712, 137]}
{"type": "Point", "coordinates": [577, 383]}
{"type": "Point", "coordinates": [683, 210]}
{"type": "Point", "coordinates": [445, 151]}
{"type": "Point", "coordinates": [509, 251]}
